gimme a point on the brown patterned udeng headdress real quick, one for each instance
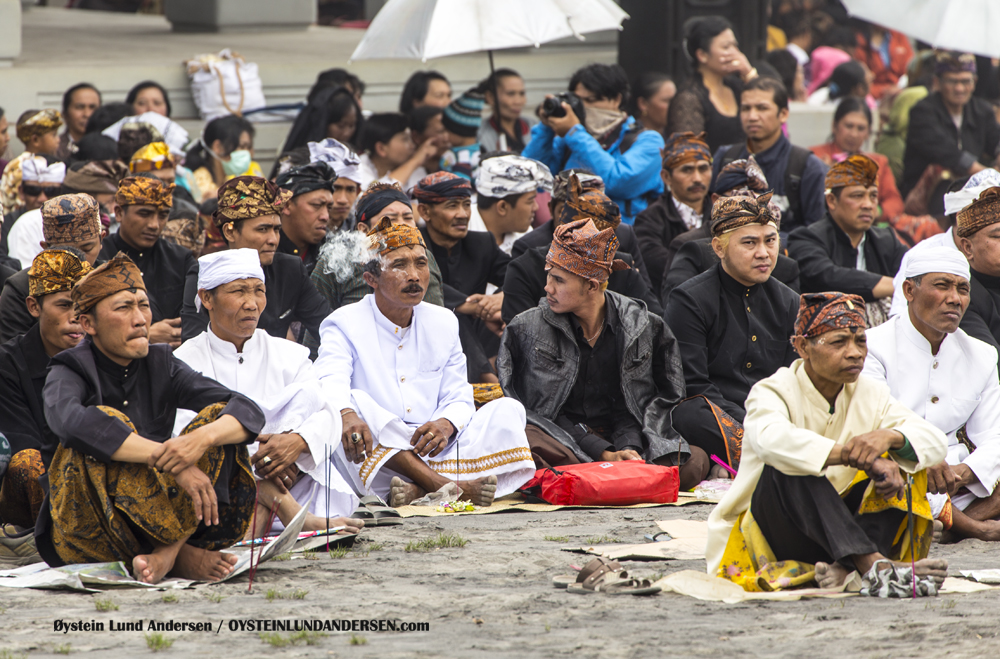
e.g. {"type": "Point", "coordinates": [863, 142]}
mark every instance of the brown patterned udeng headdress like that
{"type": "Point", "coordinates": [118, 274]}
{"type": "Point", "coordinates": [55, 270]}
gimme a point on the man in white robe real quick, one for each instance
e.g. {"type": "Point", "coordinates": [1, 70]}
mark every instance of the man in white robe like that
{"type": "Point", "coordinates": [950, 379]}
{"type": "Point", "coordinates": [298, 447]}
{"type": "Point", "coordinates": [814, 499]}
{"type": "Point", "coordinates": [393, 367]}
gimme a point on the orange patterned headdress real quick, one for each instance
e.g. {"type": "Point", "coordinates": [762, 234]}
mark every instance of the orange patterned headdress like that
{"type": "Point", "coordinates": [578, 247]}
{"type": "Point", "coordinates": [386, 237]}
{"type": "Point", "coordinates": [824, 312]}
{"type": "Point", "coordinates": [856, 170]}
{"type": "Point", "coordinates": [55, 270]}
{"type": "Point", "coordinates": [144, 191]}
{"type": "Point", "coordinates": [247, 197]}
{"type": "Point", "coordinates": [118, 274]}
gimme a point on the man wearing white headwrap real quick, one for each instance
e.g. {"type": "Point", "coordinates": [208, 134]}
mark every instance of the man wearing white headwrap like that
{"type": "Point", "coordinates": [41, 178]}
{"type": "Point", "coordinates": [951, 380]}
{"type": "Point", "coordinates": [347, 187]}
{"type": "Point", "coordinates": [507, 188]}
{"type": "Point", "coordinates": [298, 446]}
{"type": "Point", "coordinates": [953, 203]}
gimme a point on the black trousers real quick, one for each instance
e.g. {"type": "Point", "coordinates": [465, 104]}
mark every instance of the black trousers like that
{"type": "Point", "coordinates": [804, 519]}
{"type": "Point", "coordinates": [694, 420]}
{"type": "Point", "coordinates": [479, 345]}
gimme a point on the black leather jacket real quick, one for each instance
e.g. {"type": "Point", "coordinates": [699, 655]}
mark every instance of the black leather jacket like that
{"type": "Point", "coordinates": [539, 362]}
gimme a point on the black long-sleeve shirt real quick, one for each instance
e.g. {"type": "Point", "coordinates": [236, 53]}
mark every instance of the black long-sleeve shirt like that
{"type": "Point", "coordinates": [309, 257]}
{"type": "Point", "coordinates": [166, 271]}
{"type": "Point", "coordinates": [656, 227]}
{"type": "Point", "coordinates": [291, 296]}
{"type": "Point", "coordinates": [14, 317]}
{"type": "Point", "coordinates": [731, 336]}
{"type": "Point", "coordinates": [828, 261]}
{"type": "Point", "coordinates": [595, 414]}
{"type": "Point", "coordinates": [933, 139]}
{"type": "Point", "coordinates": [473, 262]}
{"type": "Point", "coordinates": [982, 317]}
{"type": "Point", "coordinates": [524, 285]}
{"type": "Point", "coordinates": [23, 366]}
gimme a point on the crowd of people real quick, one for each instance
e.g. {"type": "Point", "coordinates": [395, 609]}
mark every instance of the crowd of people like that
{"type": "Point", "coordinates": [464, 291]}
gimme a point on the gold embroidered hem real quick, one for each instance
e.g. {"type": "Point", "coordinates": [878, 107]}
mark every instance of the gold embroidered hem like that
{"type": "Point", "coordinates": [374, 461]}
{"type": "Point", "coordinates": [749, 561]}
{"type": "Point", "coordinates": [114, 511]}
{"type": "Point", "coordinates": [485, 463]}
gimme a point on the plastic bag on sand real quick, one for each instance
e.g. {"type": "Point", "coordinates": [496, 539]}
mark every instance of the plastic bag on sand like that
{"type": "Point", "coordinates": [446, 494]}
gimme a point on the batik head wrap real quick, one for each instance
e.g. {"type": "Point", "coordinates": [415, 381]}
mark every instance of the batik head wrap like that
{"type": "Point", "coordinates": [71, 219]}
{"type": "Point", "coordinates": [857, 169]}
{"type": "Point", "coordinates": [980, 214]}
{"type": "Point", "coordinates": [307, 178]}
{"type": "Point", "coordinates": [588, 181]}
{"type": "Point", "coordinates": [96, 177]}
{"type": "Point", "coordinates": [685, 147]}
{"type": "Point", "coordinates": [118, 274]}
{"type": "Point", "coordinates": [376, 198]}
{"type": "Point", "coordinates": [439, 187]}
{"type": "Point", "coordinates": [386, 237]}
{"type": "Point", "coordinates": [951, 61]}
{"type": "Point", "coordinates": [247, 197]}
{"type": "Point", "coordinates": [39, 123]}
{"type": "Point", "coordinates": [589, 204]}
{"type": "Point", "coordinates": [504, 176]}
{"type": "Point", "coordinates": [578, 247]}
{"type": "Point", "coordinates": [745, 174]}
{"type": "Point", "coordinates": [55, 270]}
{"type": "Point", "coordinates": [345, 162]}
{"type": "Point", "coordinates": [824, 312]}
{"type": "Point", "coordinates": [731, 213]}
{"type": "Point", "coordinates": [153, 156]}
{"type": "Point", "coordinates": [144, 191]}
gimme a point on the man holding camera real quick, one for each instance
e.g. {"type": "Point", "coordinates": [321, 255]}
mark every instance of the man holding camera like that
{"type": "Point", "coordinates": [587, 128]}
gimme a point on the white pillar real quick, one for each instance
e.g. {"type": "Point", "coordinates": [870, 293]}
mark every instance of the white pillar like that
{"type": "Point", "coordinates": [10, 31]}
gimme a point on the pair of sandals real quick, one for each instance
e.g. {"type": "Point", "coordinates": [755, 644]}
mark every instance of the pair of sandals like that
{"type": "Point", "coordinates": [375, 512]}
{"type": "Point", "coordinates": [603, 575]}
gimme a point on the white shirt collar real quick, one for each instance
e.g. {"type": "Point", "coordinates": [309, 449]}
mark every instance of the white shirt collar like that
{"type": "Point", "coordinates": [227, 349]}
{"type": "Point", "coordinates": [692, 218]}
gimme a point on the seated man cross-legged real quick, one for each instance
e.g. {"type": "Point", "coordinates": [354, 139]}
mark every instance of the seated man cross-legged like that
{"type": "Point", "coordinates": [950, 379]}
{"type": "Point", "coordinates": [599, 374]}
{"type": "Point", "coordinates": [301, 432]}
{"type": "Point", "coordinates": [393, 367]}
{"type": "Point", "coordinates": [819, 492]}
{"type": "Point", "coordinates": [110, 403]}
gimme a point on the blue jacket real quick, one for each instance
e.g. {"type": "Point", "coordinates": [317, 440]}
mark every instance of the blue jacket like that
{"type": "Point", "coordinates": [630, 179]}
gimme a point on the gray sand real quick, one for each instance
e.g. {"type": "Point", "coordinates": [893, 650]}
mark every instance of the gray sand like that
{"type": "Point", "coordinates": [493, 598]}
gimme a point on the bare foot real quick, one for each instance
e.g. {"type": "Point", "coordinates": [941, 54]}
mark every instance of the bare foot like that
{"type": "Point", "coordinates": [202, 565]}
{"type": "Point", "coordinates": [988, 530]}
{"type": "Point", "coordinates": [151, 568]}
{"type": "Point", "coordinates": [317, 523]}
{"type": "Point", "coordinates": [935, 568]}
{"type": "Point", "coordinates": [718, 472]}
{"type": "Point", "coordinates": [402, 493]}
{"type": "Point", "coordinates": [938, 531]}
{"type": "Point", "coordinates": [480, 492]}
{"type": "Point", "coordinates": [831, 575]}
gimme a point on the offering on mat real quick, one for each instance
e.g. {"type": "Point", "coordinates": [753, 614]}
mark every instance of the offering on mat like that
{"type": "Point", "coordinates": [456, 507]}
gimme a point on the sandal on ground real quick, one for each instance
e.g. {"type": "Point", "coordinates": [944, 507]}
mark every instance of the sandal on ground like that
{"type": "Point", "coordinates": [592, 571]}
{"type": "Point", "coordinates": [375, 512]}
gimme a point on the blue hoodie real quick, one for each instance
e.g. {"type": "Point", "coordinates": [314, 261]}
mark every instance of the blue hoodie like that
{"type": "Point", "coordinates": [630, 179]}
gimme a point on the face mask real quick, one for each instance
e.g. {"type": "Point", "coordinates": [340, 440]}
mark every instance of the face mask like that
{"type": "Point", "coordinates": [238, 163]}
{"type": "Point", "coordinates": [599, 122]}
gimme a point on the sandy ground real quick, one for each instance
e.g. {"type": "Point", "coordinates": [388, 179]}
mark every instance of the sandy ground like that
{"type": "Point", "coordinates": [493, 598]}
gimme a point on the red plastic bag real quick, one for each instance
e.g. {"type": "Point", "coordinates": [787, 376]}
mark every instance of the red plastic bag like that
{"type": "Point", "coordinates": [605, 484]}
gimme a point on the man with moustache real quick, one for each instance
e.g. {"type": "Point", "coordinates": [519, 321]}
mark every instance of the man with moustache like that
{"type": "Point", "coordinates": [118, 488]}
{"type": "Point", "coordinates": [24, 364]}
{"type": "Point", "coordinates": [950, 379]}
{"type": "Point", "coordinates": [732, 323]}
{"type": "Point", "coordinates": [394, 369]}
{"type": "Point", "coordinates": [685, 204]}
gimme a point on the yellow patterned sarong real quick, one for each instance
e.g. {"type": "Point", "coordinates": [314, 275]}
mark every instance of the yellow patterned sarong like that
{"type": "Point", "coordinates": [749, 561]}
{"type": "Point", "coordinates": [97, 508]}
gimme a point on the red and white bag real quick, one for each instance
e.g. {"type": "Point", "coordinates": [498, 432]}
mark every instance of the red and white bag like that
{"type": "Point", "coordinates": [622, 483]}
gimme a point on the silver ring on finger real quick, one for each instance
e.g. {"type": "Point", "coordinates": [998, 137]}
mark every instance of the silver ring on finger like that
{"type": "Point", "coordinates": [266, 461]}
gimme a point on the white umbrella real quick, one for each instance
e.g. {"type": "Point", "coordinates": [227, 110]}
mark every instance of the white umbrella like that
{"type": "Point", "coordinates": [428, 29]}
{"type": "Point", "coordinates": [969, 26]}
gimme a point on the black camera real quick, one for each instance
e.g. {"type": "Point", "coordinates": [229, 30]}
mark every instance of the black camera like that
{"type": "Point", "coordinates": [552, 106]}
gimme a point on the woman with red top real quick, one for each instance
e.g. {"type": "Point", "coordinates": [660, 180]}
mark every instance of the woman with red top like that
{"type": "Point", "coordinates": [886, 53]}
{"type": "Point", "coordinates": [851, 127]}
